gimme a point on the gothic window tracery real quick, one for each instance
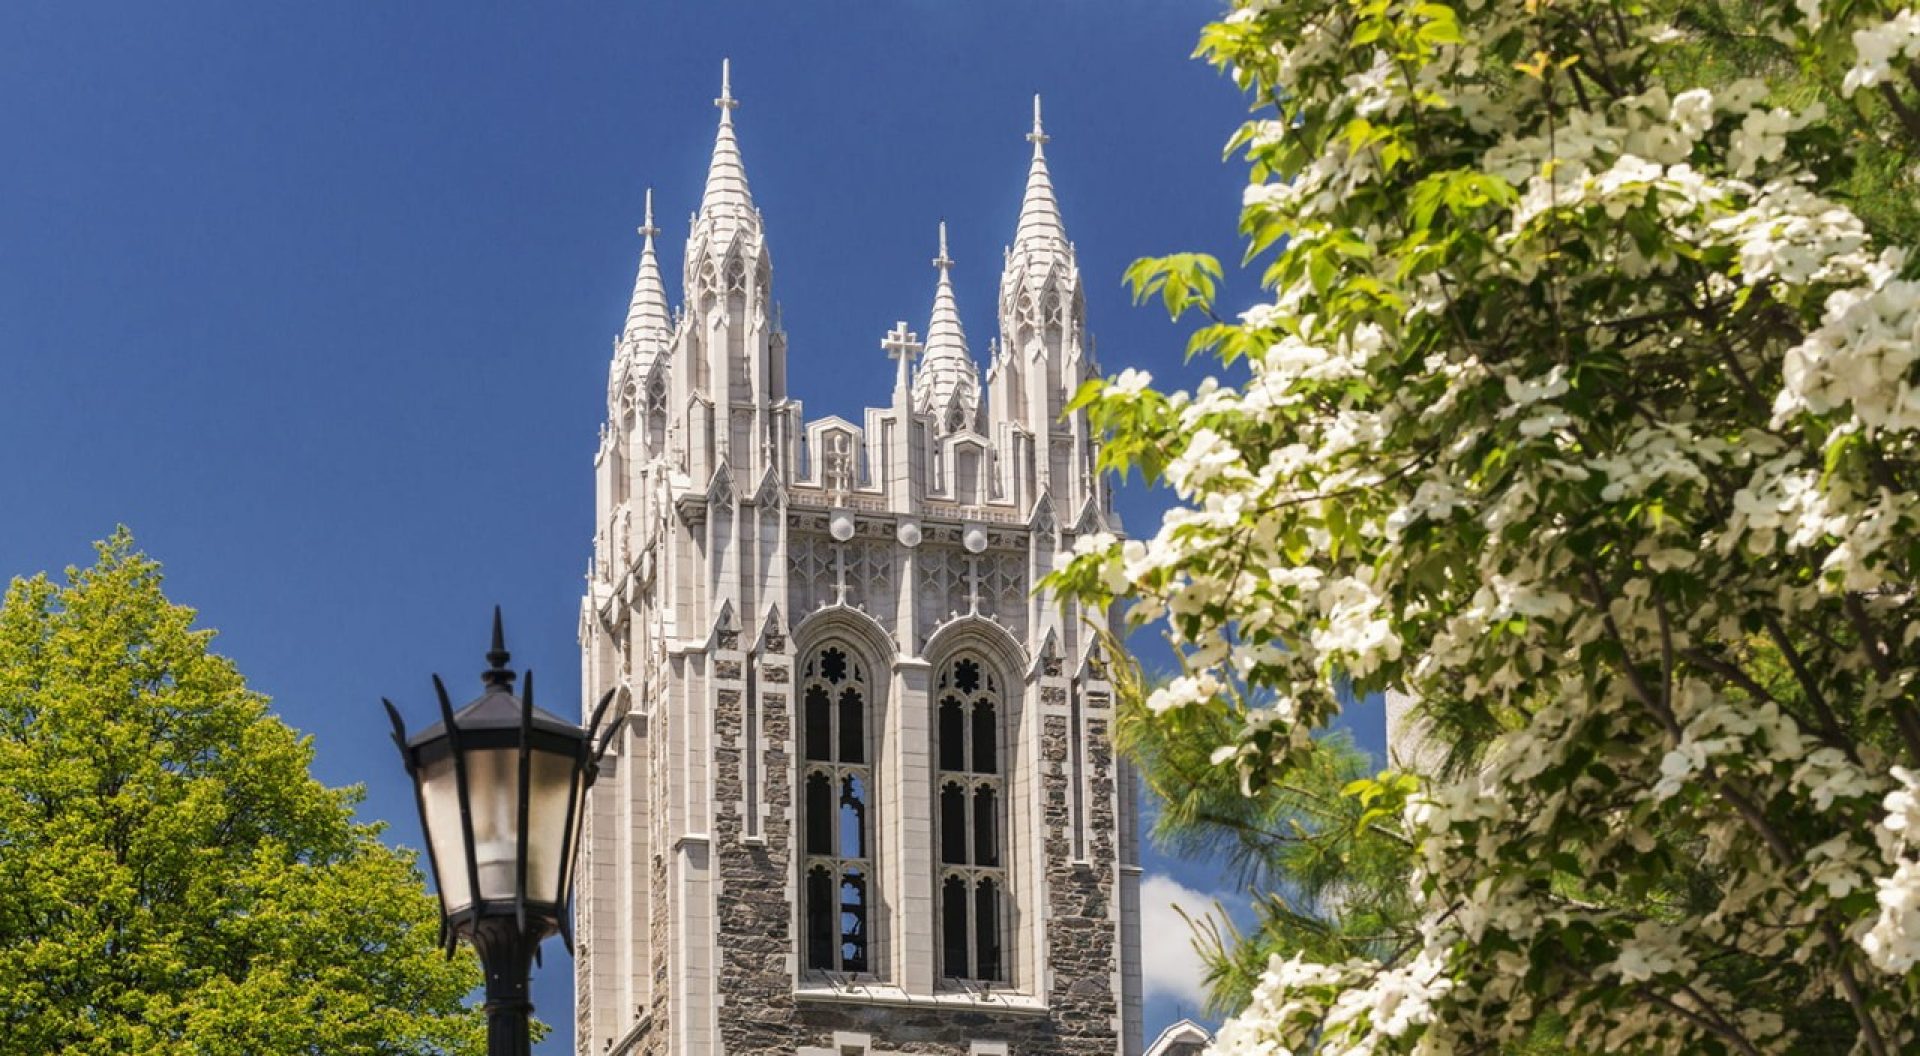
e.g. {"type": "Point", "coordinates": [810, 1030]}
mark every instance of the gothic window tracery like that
{"type": "Point", "coordinates": [969, 820]}
{"type": "Point", "coordinates": [810, 561]}
{"type": "Point", "coordinates": [836, 811]}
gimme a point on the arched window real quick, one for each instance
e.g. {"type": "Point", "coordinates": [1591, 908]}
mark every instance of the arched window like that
{"type": "Point", "coordinates": [969, 821]}
{"type": "Point", "coordinates": [836, 816]}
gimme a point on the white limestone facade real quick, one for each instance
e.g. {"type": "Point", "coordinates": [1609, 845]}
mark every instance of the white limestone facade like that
{"type": "Point", "coordinates": [865, 799]}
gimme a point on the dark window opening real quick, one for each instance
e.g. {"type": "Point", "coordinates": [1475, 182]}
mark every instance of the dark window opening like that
{"type": "Point", "coordinates": [853, 734]}
{"type": "Point", "coordinates": [819, 725]}
{"type": "Point", "coordinates": [819, 814]}
{"type": "Point", "coordinates": [833, 666]}
{"type": "Point", "coordinates": [953, 725]}
{"type": "Point", "coordinates": [953, 826]}
{"type": "Point", "coordinates": [986, 827]}
{"type": "Point", "coordinates": [819, 919]}
{"type": "Point", "coordinates": [986, 923]}
{"type": "Point", "coordinates": [953, 927]}
{"type": "Point", "coordinates": [986, 738]}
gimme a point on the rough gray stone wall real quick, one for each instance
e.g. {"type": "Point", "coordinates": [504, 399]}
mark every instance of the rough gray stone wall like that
{"type": "Point", "coordinates": [755, 917]}
{"type": "Point", "coordinates": [583, 942]}
{"type": "Point", "coordinates": [761, 1015]}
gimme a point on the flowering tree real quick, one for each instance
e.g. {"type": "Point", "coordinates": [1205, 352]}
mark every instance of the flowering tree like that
{"type": "Point", "coordinates": [1585, 409]}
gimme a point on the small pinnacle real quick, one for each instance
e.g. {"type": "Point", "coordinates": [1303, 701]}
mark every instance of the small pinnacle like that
{"type": "Point", "coordinates": [943, 261]}
{"type": "Point", "coordinates": [647, 229]}
{"type": "Point", "coordinates": [1039, 134]}
{"type": "Point", "coordinates": [726, 101]}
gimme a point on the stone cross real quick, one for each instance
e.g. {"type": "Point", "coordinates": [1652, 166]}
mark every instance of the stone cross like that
{"type": "Point", "coordinates": [726, 101]}
{"type": "Point", "coordinates": [901, 345]}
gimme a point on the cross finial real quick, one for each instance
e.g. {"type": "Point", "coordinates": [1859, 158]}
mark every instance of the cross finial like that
{"type": "Point", "coordinates": [901, 343]}
{"type": "Point", "coordinates": [726, 101]}
{"type": "Point", "coordinates": [647, 230]}
{"type": "Point", "coordinates": [943, 261]}
{"type": "Point", "coordinates": [1039, 134]}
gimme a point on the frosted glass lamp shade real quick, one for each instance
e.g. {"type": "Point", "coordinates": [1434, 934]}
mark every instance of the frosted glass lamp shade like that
{"type": "Point", "coordinates": [501, 786]}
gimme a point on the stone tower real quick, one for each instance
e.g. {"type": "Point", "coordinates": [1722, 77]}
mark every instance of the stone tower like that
{"type": "Point", "coordinates": [865, 800]}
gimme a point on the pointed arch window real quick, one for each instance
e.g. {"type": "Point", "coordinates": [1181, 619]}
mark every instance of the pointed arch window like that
{"type": "Point", "coordinates": [836, 811]}
{"type": "Point", "coordinates": [969, 820]}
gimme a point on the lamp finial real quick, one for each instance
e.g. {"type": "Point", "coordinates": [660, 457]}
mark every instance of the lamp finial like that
{"type": "Point", "coordinates": [498, 674]}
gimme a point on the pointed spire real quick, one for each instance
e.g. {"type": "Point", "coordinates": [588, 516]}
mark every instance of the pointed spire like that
{"type": "Point", "coordinates": [648, 313]}
{"type": "Point", "coordinates": [726, 196]}
{"type": "Point", "coordinates": [1040, 222]}
{"type": "Point", "coordinates": [947, 377]}
{"type": "Point", "coordinates": [497, 673]}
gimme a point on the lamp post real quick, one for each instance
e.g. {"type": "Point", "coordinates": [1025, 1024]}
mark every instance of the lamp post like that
{"type": "Point", "coordinates": [500, 785]}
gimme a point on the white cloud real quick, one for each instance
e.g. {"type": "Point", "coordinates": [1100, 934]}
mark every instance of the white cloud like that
{"type": "Point", "coordinates": [1170, 965]}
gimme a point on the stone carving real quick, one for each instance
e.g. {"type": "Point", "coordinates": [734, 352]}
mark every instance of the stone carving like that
{"type": "Point", "coordinates": [691, 855]}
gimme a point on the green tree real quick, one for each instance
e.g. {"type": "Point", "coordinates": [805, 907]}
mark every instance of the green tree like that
{"type": "Point", "coordinates": [1326, 879]}
{"type": "Point", "coordinates": [172, 879]}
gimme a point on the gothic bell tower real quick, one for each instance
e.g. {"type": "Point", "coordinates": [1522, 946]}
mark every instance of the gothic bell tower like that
{"type": "Point", "coordinates": [866, 799]}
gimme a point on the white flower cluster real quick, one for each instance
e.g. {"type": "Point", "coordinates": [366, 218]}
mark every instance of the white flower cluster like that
{"type": "Point", "coordinates": [1876, 47]}
{"type": "Point", "coordinates": [1894, 940]}
{"type": "Point", "coordinates": [1593, 414]}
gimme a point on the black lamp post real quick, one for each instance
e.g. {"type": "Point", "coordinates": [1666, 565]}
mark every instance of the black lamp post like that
{"type": "Point", "coordinates": [500, 785]}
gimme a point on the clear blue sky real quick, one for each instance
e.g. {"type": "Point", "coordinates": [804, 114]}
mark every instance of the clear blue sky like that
{"type": "Point", "coordinates": [319, 300]}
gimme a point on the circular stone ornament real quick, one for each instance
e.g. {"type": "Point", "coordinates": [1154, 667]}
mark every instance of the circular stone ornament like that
{"type": "Point", "coordinates": [909, 534]}
{"type": "Point", "coordinates": [975, 539]}
{"type": "Point", "coordinates": [841, 525]}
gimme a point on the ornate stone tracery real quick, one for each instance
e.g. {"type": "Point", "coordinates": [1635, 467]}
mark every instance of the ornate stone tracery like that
{"type": "Point", "coordinates": [851, 795]}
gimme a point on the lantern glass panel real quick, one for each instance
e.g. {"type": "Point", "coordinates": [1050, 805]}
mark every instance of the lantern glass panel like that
{"type": "Point", "coordinates": [493, 791]}
{"type": "Point", "coordinates": [440, 797]}
{"type": "Point", "coordinates": [552, 777]}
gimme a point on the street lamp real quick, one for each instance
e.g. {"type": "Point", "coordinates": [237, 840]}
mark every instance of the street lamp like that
{"type": "Point", "coordinates": [500, 785]}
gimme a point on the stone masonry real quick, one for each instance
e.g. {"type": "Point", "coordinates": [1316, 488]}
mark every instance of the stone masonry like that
{"type": "Point", "coordinates": [789, 851]}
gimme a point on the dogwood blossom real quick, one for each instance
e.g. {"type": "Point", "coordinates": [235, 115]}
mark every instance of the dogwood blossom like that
{"type": "Point", "coordinates": [1585, 407]}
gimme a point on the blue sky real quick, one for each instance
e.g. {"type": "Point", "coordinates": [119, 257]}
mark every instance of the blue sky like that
{"type": "Point", "coordinates": [319, 300]}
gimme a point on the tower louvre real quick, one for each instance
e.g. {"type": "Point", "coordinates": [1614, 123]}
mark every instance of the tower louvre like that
{"type": "Point", "coordinates": [866, 798]}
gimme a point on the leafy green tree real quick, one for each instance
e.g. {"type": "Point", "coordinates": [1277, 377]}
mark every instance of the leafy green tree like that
{"type": "Point", "coordinates": [1326, 878]}
{"type": "Point", "coordinates": [172, 879]}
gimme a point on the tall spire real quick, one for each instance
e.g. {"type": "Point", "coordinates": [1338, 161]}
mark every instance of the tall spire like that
{"type": "Point", "coordinates": [947, 380]}
{"type": "Point", "coordinates": [726, 196]}
{"type": "Point", "coordinates": [1040, 222]}
{"type": "Point", "coordinates": [647, 314]}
